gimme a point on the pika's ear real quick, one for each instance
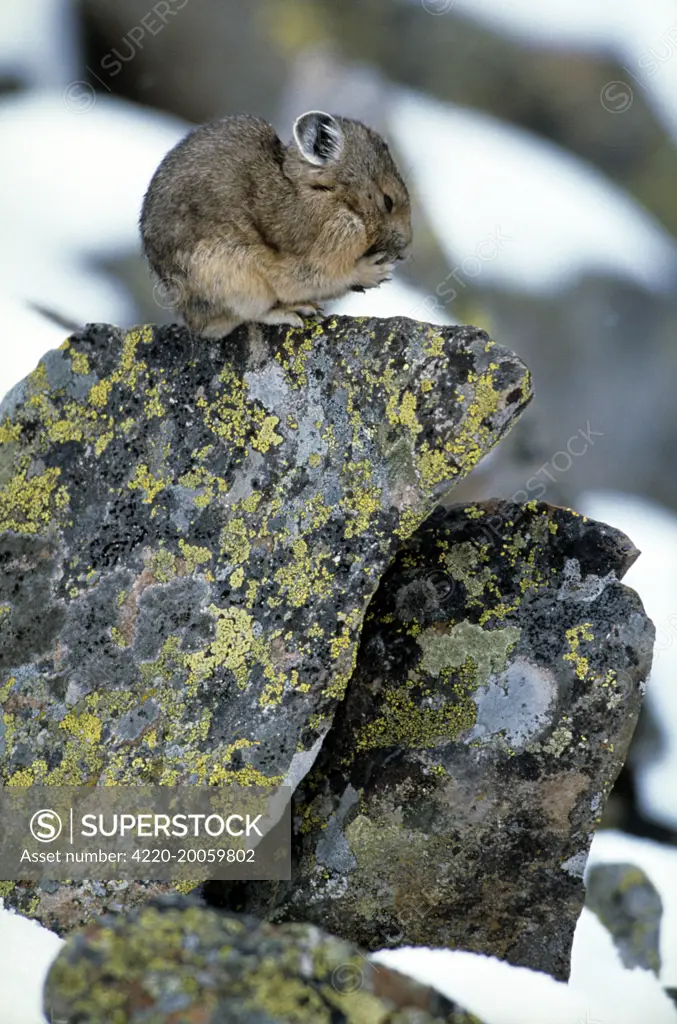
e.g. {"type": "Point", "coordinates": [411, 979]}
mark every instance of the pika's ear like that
{"type": "Point", "coordinates": [319, 138]}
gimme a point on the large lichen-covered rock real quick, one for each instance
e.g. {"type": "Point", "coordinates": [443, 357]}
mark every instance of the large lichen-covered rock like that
{"type": "Point", "coordinates": [496, 691]}
{"type": "Point", "coordinates": [190, 533]}
{"type": "Point", "coordinates": [179, 962]}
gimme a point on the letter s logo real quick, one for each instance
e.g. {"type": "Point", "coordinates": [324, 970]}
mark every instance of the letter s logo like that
{"type": "Point", "coordinates": [46, 826]}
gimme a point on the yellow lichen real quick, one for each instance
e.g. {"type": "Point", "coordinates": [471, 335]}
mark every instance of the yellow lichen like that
{"type": "Point", "coordinates": [85, 725]}
{"type": "Point", "coordinates": [10, 431]}
{"type": "Point", "coordinates": [362, 499]}
{"type": "Point", "coordinates": [266, 435]}
{"type": "Point", "coordinates": [163, 565]}
{"type": "Point", "coordinates": [103, 442]}
{"type": "Point", "coordinates": [193, 556]}
{"type": "Point", "coordinates": [79, 362]}
{"type": "Point", "coordinates": [27, 505]}
{"type": "Point", "coordinates": [230, 649]}
{"type": "Point", "coordinates": [144, 480]}
{"type": "Point", "coordinates": [574, 637]}
{"type": "Point", "coordinates": [304, 577]}
{"type": "Point", "coordinates": [234, 541]}
{"type": "Point", "coordinates": [153, 406]}
{"type": "Point", "coordinates": [237, 579]}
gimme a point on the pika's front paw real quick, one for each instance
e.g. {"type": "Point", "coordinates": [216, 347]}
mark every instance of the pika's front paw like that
{"type": "Point", "coordinates": [373, 270]}
{"type": "Point", "coordinates": [278, 315]}
{"type": "Point", "coordinates": [308, 309]}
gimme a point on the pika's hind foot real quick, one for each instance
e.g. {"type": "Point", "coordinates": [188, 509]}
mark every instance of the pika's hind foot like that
{"type": "Point", "coordinates": [219, 328]}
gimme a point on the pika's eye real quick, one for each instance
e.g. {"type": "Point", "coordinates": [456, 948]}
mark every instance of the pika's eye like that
{"type": "Point", "coordinates": [388, 203]}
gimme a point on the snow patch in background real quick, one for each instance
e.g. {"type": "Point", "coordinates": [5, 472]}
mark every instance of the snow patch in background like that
{"type": "Point", "coordinates": [394, 298]}
{"type": "Point", "coordinates": [38, 42]}
{"type": "Point", "coordinates": [653, 530]}
{"type": "Point", "coordinates": [642, 37]}
{"type": "Point", "coordinates": [495, 991]}
{"type": "Point", "coordinates": [71, 188]}
{"type": "Point", "coordinates": [26, 337]}
{"type": "Point", "coordinates": [76, 181]}
{"type": "Point", "coordinates": [513, 210]}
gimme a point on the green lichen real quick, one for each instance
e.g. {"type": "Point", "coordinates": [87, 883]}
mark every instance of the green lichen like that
{"type": "Point", "coordinates": [489, 649]}
{"type": "Point", "coordinates": [559, 741]}
{"type": "Point", "coordinates": [421, 713]}
{"type": "Point", "coordinates": [163, 566]}
{"type": "Point", "coordinates": [208, 960]}
{"type": "Point", "coordinates": [468, 563]}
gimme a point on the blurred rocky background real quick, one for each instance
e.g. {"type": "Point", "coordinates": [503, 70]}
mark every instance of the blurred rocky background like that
{"type": "Point", "coordinates": [539, 144]}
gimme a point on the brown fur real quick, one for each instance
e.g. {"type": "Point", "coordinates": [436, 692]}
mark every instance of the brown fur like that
{"type": "Point", "coordinates": [242, 228]}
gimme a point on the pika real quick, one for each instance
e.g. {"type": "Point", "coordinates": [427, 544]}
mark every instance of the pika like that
{"type": "Point", "coordinates": [242, 228]}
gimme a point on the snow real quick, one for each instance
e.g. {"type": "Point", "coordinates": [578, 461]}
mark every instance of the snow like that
{"type": "Point", "coordinates": [513, 210]}
{"type": "Point", "coordinates": [26, 953]}
{"type": "Point", "coordinates": [75, 180]}
{"type": "Point", "coordinates": [70, 196]}
{"type": "Point", "coordinates": [27, 335]}
{"type": "Point", "coordinates": [595, 25]}
{"type": "Point", "coordinates": [497, 992]}
{"type": "Point", "coordinates": [395, 298]}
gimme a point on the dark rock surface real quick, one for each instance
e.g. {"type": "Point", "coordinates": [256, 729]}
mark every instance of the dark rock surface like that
{"type": "Point", "coordinates": [190, 533]}
{"type": "Point", "coordinates": [179, 962]}
{"type": "Point", "coordinates": [496, 691]}
{"type": "Point", "coordinates": [630, 908]}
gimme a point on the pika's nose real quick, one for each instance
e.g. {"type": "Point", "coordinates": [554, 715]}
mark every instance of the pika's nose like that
{"type": "Point", "coordinates": [405, 252]}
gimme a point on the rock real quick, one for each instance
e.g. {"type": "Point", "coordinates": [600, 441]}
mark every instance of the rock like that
{"type": "Point", "coordinates": [229, 75]}
{"type": "Point", "coordinates": [190, 533]}
{"type": "Point", "coordinates": [630, 908]}
{"type": "Point", "coordinates": [497, 687]}
{"type": "Point", "coordinates": [176, 961]}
